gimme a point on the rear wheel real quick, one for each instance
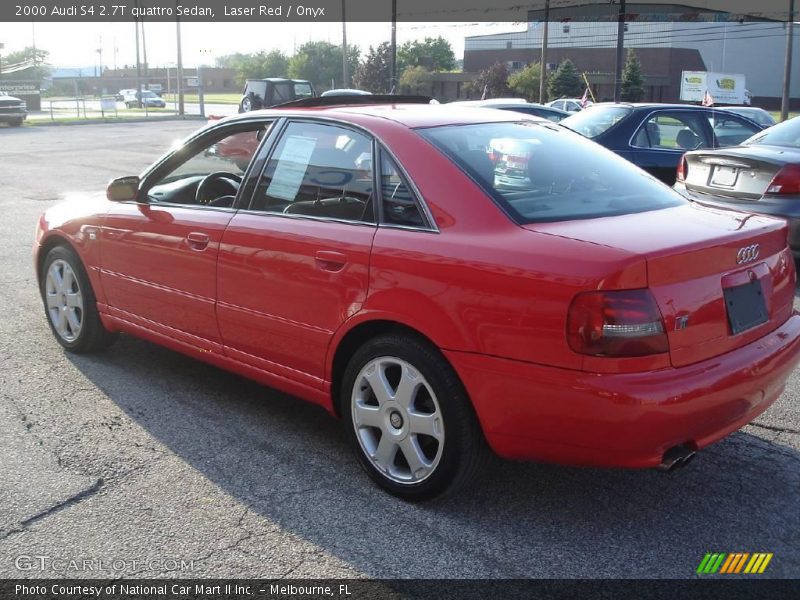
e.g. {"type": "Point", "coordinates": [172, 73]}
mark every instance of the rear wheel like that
{"type": "Point", "coordinates": [70, 304]}
{"type": "Point", "coordinates": [409, 419]}
{"type": "Point", "coordinates": [16, 123]}
{"type": "Point", "coordinates": [246, 105]}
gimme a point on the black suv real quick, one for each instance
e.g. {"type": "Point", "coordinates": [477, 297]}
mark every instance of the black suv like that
{"type": "Point", "coordinates": [263, 93]}
{"type": "Point", "coordinates": [12, 110]}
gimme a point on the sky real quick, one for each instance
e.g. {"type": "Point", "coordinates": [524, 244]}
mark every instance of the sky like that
{"type": "Point", "coordinates": [76, 44]}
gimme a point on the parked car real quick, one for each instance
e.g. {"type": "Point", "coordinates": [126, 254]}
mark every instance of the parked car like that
{"type": "Point", "coordinates": [570, 105]}
{"type": "Point", "coordinates": [758, 115]}
{"type": "Point", "coordinates": [145, 98]}
{"type": "Point", "coordinates": [762, 175]}
{"type": "Point", "coordinates": [370, 261]}
{"type": "Point", "coordinates": [263, 93]}
{"type": "Point", "coordinates": [13, 111]}
{"type": "Point", "coordinates": [345, 92]}
{"type": "Point", "coordinates": [655, 136]}
{"type": "Point", "coordinates": [517, 105]}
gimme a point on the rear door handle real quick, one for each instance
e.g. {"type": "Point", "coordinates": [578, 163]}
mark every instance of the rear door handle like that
{"type": "Point", "coordinates": [198, 240]}
{"type": "Point", "coordinates": [330, 260]}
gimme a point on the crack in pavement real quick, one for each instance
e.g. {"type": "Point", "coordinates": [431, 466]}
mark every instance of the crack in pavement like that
{"type": "Point", "coordinates": [71, 501]}
{"type": "Point", "coordinates": [775, 428]}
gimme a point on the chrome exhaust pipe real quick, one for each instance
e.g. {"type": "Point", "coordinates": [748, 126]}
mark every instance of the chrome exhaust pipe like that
{"type": "Point", "coordinates": [676, 457]}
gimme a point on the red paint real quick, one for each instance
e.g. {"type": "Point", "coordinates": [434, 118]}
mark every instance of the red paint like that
{"type": "Point", "coordinates": [271, 297]}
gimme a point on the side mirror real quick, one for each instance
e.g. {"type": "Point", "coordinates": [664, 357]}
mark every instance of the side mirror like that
{"type": "Point", "coordinates": [123, 189]}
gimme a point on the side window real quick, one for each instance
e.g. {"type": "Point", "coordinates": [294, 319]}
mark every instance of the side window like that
{"type": "Point", "coordinates": [208, 173]}
{"type": "Point", "coordinates": [672, 131]}
{"type": "Point", "coordinates": [400, 205]}
{"type": "Point", "coordinates": [319, 171]}
{"type": "Point", "coordinates": [729, 130]}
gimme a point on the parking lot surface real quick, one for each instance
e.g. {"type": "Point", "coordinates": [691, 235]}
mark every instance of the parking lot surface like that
{"type": "Point", "coordinates": [162, 466]}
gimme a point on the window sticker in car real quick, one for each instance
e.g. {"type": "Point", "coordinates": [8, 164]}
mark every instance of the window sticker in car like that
{"type": "Point", "coordinates": [292, 165]}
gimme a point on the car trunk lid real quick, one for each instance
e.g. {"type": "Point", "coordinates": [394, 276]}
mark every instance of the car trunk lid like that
{"type": "Point", "coordinates": [744, 173]}
{"type": "Point", "coordinates": [710, 271]}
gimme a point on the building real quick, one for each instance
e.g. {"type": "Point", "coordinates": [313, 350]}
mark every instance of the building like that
{"type": "Point", "coordinates": [665, 49]}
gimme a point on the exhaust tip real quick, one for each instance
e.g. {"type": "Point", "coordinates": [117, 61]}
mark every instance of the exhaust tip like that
{"type": "Point", "coordinates": [676, 457]}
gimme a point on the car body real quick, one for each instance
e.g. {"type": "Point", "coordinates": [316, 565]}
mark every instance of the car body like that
{"type": "Point", "coordinates": [345, 92]}
{"type": "Point", "coordinates": [263, 93]}
{"type": "Point", "coordinates": [655, 136]}
{"type": "Point", "coordinates": [570, 105]}
{"type": "Point", "coordinates": [145, 98]}
{"type": "Point", "coordinates": [369, 260]}
{"type": "Point", "coordinates": [758, 115]}
{"type": "Point", "coordinates": [13, 111]}
{"type": "Point", "coordinates": [517, 105]}
{"type": "Point", "coordinates": [762, 175]}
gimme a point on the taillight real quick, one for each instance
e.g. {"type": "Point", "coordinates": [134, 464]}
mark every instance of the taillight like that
{"type": "Point", "coordinates": [786, 181]}
{"type": "Point", "coordinates": [683, 169]}
{"type": "Point", "coordinates": [616, 323]}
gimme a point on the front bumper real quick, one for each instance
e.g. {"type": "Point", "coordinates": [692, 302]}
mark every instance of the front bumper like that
{"type": "Point", "coordinates": [13, 114]}
{"type": "Point", "coordinates": [548, 414]}
{"type": "Point", "coordinates": [787, 208]}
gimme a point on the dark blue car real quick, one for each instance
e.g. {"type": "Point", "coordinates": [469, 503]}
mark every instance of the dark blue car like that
{"type": "Point", "coordinates": [655, 136]}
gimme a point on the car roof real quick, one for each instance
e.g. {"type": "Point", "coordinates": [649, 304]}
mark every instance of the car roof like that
{"type": "Point", "coordinates": [409, 115]}
{"type": "Point", "coordinates": [655, 105]}
{"type": "Point", "coordinates": [278, 80]}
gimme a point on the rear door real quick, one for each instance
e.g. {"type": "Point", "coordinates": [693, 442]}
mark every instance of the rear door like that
{"type": "Point", "coordinates": [294, 265]}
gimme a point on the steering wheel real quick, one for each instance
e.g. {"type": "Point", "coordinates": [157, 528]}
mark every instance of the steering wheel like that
{"type": "Point", "coordinates": [230, 179]}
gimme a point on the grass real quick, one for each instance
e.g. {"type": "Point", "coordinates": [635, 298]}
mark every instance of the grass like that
{"type": "Point", "coordinates": [209, 98]}
{"type": "Point", "coordinates": [776, 114]}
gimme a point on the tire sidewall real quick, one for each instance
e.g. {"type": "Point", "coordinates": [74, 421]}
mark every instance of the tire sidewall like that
{"type": "Point", "coordinates": [449, 395]}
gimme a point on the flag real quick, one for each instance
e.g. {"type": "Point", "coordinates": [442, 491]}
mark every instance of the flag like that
{"type": "Point", "coordinates": [585, 98]}
{"type": "Point", "coordinates": [708, 99]}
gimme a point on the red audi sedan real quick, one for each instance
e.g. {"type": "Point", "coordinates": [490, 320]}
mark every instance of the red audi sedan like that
{"type": "Point", "coordinates": [382, 261]}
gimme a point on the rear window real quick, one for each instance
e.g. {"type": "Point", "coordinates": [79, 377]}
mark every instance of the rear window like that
{"type": "Point", "coordinates": [596, 120]}
{"type": "Point", "coordinates": [303, 90]}
{"type": "Point", "coordinates": [782, 134]}
{"type": "Point", "coordinates": [539, 172]}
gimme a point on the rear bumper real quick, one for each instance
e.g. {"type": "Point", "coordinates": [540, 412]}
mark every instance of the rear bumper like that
{"type": "Point", "coordinates": [787, 208]}
{"type": "Point", "coordinates": [548, 414]}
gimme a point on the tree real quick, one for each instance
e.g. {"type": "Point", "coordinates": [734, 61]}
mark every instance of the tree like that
{"type": "Point", "coordinates": [32, 60]}
{"type": "Point", "coordinates": [526, 81]}
{"type": "Point", "coordinates": [415, 80]}
{"type": "Point", "coordinates": [373, 74]}
{"type": "Point", "coordinates": [321, 63]}
{"type": "Point", "coordinates": [492, 82]}
{"type": "Point", "coordinates": [632, 79]}
{"type": "Point", "coordinates": [435, 54]}
{"type": "Point", "coordinates": [256, 66]}
{"type": "Point", "coordinates": [565, 82]}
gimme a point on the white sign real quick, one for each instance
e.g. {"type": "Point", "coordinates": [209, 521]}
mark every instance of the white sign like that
{"type": "Point", "coordinates": [108, 104]}
{"type": "Point", "coordinates": [292, 166]}
{"type": "Point", "coordinates": [192, 82]}
{"type": "Point", "coordinates": [724, 88]}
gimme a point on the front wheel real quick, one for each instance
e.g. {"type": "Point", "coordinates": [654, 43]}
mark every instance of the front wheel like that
{"type": "Point", "coordinates": [409, 419]}
{"type": "Point", "coordinates": [70, 304]}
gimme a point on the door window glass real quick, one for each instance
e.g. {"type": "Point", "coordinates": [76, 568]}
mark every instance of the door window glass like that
{"type": "Point", "coordinates": [319, 170]}
{"type": "Point", "coordinates": [400, 205]}
{"type": "Point", "coordinates": [672, 131]}
{"type": "Point", "coordinates": [729, 130]}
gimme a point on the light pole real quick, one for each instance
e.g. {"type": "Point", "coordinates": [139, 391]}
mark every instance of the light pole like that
{"type": "Point", "coordinates": [344, 46]}
{"type": "Point", "coordinates": [620, 52]}
{"type": "Point", "coordinates": [543, 63]}
{"type": "Point", "coordinates": [787, 65]}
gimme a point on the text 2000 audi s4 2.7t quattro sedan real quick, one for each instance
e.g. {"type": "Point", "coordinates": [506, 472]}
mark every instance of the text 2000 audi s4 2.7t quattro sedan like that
{"type": "Point", "coordinates": [382, 261]}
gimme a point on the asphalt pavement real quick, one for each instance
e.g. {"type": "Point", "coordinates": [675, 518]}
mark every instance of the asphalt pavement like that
{"type": "Point", "coordinates": [145, 462]}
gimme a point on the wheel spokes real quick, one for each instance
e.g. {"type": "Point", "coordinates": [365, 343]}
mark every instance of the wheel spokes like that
{"type": "Point", "coordinates": [380, 385]}
{"type": "Point", "coordinates": [422, 424]}
{"type": "Point", "coordinates": [418, 463]}
{"type": "Point", "coordinates": [385, 453]}
{"type": "Point", "coordinates": [367, 416]}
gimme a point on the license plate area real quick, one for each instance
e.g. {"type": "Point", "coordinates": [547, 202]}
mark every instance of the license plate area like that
{"type": "Point", "coordinates": [723, 176]}
{"type": "Point", "coordinates": [745, 305]}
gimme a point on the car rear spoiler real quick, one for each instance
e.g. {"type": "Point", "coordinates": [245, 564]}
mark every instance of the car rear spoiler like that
{"type": "Point", "coordinates": [355, 100]}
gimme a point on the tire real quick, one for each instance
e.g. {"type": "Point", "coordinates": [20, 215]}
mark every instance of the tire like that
{"type": "Point", "coordinates": [70, 305]}
{"type": "Point", "coordinates": [245, 105]}
{"type": "Point", "coordinates": [16, 123]}
{"type": "Point", "coordinates": [418, 438]}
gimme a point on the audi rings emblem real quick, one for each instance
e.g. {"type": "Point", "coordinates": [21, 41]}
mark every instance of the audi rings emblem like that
{"type": "Point", "coordinates": [747, 254]}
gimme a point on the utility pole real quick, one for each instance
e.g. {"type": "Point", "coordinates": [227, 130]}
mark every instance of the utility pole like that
{"type": "Point", "coordinates": [543, 63]}
{"type": "Point", "coordinates": [179, 82]}
{"type": "Point", "coordinates": [344, 47]}
{"type": "Point", "coordinates": [620, 52]}
{"type": "Point", "coordinates": [138, 63]}
{"type": "Point", "coordinates": [787, 65]}
{"type": "Point", "coordinates": [393, 62]}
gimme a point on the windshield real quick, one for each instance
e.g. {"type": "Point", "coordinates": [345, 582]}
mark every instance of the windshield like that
{"type": "Point", "coordinates": [149, 94]}
{"type": "Point", "coordinates": [596, 120]}
{"type": "Point", "coordinates": [538, 171]}
{"type": "Point", "coordinates": [782, 134]}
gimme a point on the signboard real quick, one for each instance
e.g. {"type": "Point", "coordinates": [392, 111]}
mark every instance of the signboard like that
{"type": "Point", "coordinates": [108, 104]}
{"type": "Point", "coordinates": [27, 91]}
{"type": "Point", "coordinates": [724, 88]}
{"type": "Point", "coordinates": [192, 82]}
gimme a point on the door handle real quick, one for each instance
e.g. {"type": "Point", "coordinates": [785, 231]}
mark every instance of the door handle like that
{"type": "Point", "coordinates": [330, 260]}
{"type": "Point", "coordinates": [197, 240]}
